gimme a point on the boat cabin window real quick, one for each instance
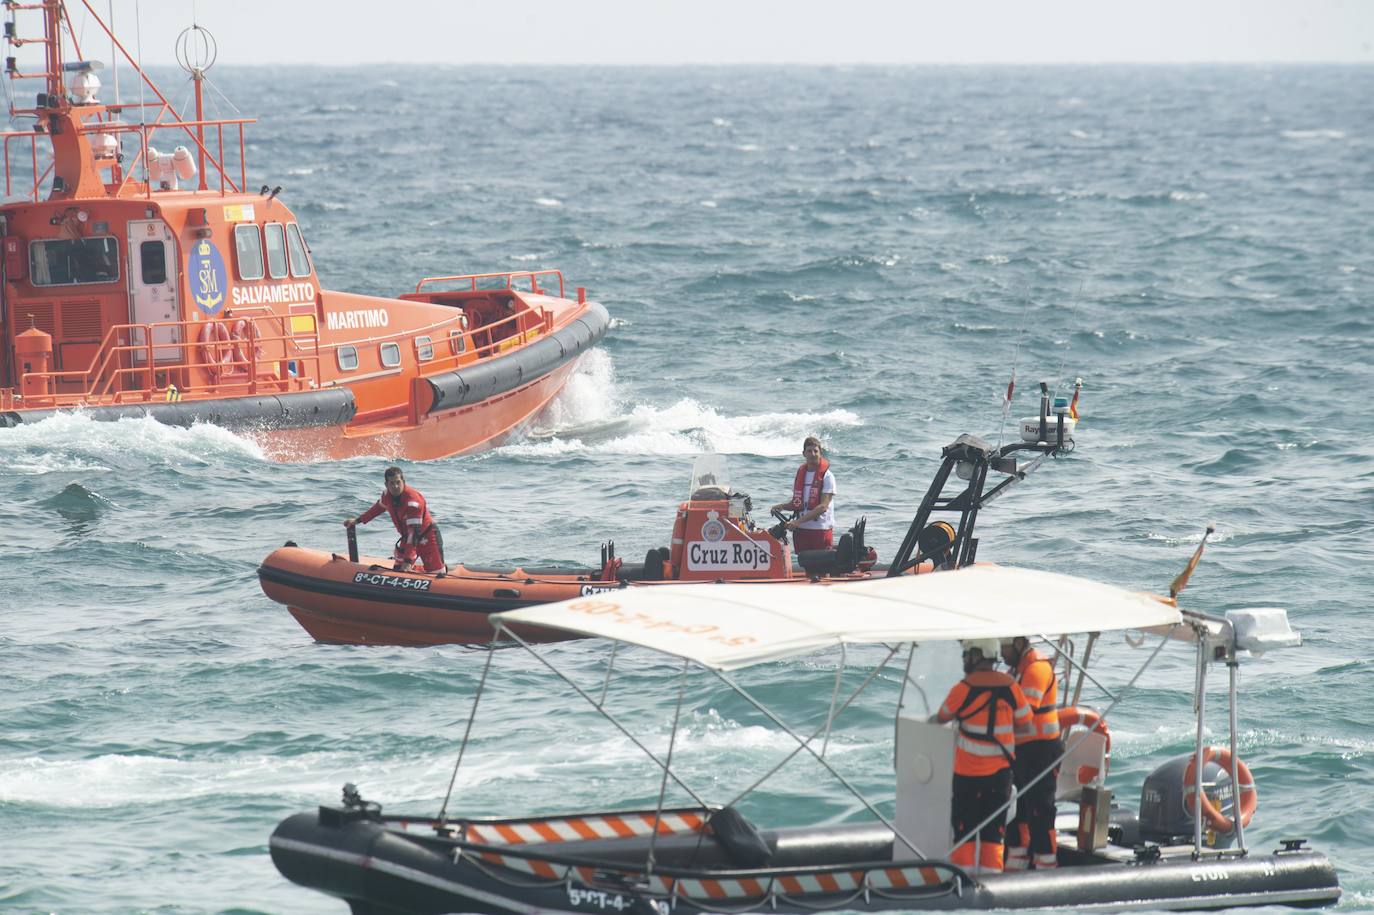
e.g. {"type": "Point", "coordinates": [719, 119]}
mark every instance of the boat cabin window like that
{"type": "Point", "coordinates": [275, 237]}
{"type": "Point", "coordinates": [391, 355]}
{"type": "Point", "coordinates": [456, 342]}
{"type": "Point", "coordinates": [248, 252]}
{"type": "Point", "coordinates": [424, 349]}
{"type": "Point", "coordinates": [295, 247]}
{"type": "Point", "coordinates": [348, 358]}
{"type": "Point", "coordinates": [67, 261]}
{"type": "Point", "coordinates": [152, 258]}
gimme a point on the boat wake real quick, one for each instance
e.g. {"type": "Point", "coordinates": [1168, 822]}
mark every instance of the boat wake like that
{"type": "Point", "coordinates": [590, 417]}
{"type": "Point", "coordinates": [73, 443]}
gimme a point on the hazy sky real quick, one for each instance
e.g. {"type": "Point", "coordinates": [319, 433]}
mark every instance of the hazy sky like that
{"type": "Point", "coordinates": [745, 31]}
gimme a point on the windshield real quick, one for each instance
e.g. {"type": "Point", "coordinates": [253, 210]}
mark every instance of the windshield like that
{"type": "Point", "coordinates": [710, 478]}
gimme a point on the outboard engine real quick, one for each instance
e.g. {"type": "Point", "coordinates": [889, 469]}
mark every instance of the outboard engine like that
{"type": "Point", "coordinates": [848, 553]}
{"type": "Point", "coordinates": [1164, 817]}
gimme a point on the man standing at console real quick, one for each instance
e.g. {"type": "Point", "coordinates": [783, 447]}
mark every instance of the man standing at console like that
{"type": "Point", "coordinates": [813, 490]}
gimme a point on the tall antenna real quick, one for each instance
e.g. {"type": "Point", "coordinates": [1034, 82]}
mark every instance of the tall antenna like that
{"type": "Point", "coordinates": [196, 52]}
{"type": "Point", "coordinates": [114, 52]}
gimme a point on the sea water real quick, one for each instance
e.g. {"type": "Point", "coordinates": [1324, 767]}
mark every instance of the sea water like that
{"type": "Point", "coordinates": [863, 254]}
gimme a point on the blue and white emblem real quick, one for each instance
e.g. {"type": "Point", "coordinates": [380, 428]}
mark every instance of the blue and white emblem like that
{"type": "Point", "coordinates": [712, 531]}
{"type": "Point", "coordinates": [209, 279]}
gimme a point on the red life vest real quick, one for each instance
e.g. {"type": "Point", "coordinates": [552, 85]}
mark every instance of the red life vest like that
{"type": "Point", "coordinates": [810, 499]}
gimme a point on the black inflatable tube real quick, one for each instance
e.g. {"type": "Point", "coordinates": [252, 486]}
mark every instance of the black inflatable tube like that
{"type": "Point", "coordinates": [297, 410]}
{"type": "Point", "coordinates": [500, 374]}
{"type": "Point", "coordinates": [378, 870]}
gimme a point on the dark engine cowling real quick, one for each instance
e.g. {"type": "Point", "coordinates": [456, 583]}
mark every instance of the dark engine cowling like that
{"type": "Point", "coordinates": [1163, 816]}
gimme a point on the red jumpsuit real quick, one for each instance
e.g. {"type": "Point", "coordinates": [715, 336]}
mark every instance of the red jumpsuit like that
{"type": "Point", "coordinates": [419, 536]}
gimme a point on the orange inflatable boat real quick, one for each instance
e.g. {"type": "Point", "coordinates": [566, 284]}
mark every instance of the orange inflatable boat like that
{"type": "Point", "coordinates": [357, 600]}
{"type": "Point", "coordinates": [353, 600]}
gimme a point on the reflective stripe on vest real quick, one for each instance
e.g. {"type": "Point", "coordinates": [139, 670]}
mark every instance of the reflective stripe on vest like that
{"type": "Point", "coordinates": [1042, 692]}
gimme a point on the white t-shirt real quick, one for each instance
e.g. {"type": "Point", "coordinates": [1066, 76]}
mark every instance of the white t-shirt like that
{"type": "Point", "coordinates": [826, 521]}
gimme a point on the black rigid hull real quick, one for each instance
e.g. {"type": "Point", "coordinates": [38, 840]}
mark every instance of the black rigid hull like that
{"type": "Point", "coordinates": [495, 376]}
{"type": "Point", "coordinates": [385, 871]}
{"type": "Point", "coordinates": [296, 410]}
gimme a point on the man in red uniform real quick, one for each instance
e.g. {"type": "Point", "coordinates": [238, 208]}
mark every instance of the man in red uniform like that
{"type": "Point", "coordinates": [812, 492]}
{"type": "Point", "coordinates": [991, 711]}
{"type": "Point", "coordinates": [420, 544]}
{"type": "Point", "coordinates": [1031, 840]}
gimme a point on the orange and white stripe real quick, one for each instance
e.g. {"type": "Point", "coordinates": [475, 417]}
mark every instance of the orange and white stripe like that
{"type": "Point", "coordinates": [900, 878]}
{"type": "Point", "coordinates": [821, 883]}
{"type": "Point", "coordinates": [574, 829]}
{"type": "Point", "coordinates": [526, 865]}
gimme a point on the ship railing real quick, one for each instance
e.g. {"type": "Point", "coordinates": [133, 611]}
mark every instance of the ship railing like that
{"type": "Point", "coordinates": [507, 280]}
{"type": "Point", "coordinates": [133, 366]}
{"type": "Point", "coordinates": [121, 183]}
{"type": "Point", "coordinates": [478, 342]}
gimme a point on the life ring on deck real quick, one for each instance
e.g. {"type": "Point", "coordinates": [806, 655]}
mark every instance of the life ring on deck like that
{"type": "Point", "coordinates": [1249, 798]}
{"type": "Point", "coordinates": [216, 349]}
{"type": "Point", "coordinates": [1087, 718]}
{"type": "Point", "coordinates": [243, 332]}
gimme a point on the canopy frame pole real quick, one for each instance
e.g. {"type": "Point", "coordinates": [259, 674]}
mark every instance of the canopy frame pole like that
{"type": "Point", "coordinates": [901, 698]}
{"type": "Point", "coordinates": [1234, 665]}
{"type": "Point", "coordinates": [667, 766]}
{"type": "Point", "coordinates": [607, 715]}
{"type": "Point", "coordinates": [610, 665]}
{"type": "Point", "coordinates": [1200, 707]}
{"type": "Point", "coordinates": [467, 732]}
{"type": "Point", "coordinates": [834, 697]}
{"type": "Point", "coordinates": [806, 745]}
{"type": "Point", "coordinates": [1002, 810]}
{"type": "Point", "coordinates": [792, 755]}
{"type": "Point", "coordinates": [1066, 647]}
{"type": "Point", "coordinates": [1081, 667]}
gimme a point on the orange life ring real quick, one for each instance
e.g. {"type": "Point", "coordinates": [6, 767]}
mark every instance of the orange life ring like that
{"type": "Point", "coordinates": [1086, 717]}
{"type": "Point", "coordinates": [1249, 798]}
{"type": "Point", "coordinates": [215, 348]}
{"type": "Point", "coordinates": [242, 332]}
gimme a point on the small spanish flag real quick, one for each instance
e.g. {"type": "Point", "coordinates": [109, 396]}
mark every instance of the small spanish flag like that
{"type": "Point", "coordinates": [1073, 404]}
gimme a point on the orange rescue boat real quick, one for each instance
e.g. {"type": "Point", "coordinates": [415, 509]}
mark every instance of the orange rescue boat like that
{"type": "Point", "coordinates": [361, 601]}
{"type": "Point", "coordinates": [143, 283]}
{"type": "Point", "coordinates": [353, 600]}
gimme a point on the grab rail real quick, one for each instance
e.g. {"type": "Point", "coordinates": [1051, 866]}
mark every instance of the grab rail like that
{"type": "Point", "coordinates": [509, 277]}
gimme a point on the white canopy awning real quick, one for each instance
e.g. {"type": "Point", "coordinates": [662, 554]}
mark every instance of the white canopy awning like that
{"type": "Point", "coordinates": [730, 626]}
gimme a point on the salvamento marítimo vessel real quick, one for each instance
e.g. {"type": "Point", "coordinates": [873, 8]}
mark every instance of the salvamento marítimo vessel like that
{"type": "Point", "coordinates": [138, 282]}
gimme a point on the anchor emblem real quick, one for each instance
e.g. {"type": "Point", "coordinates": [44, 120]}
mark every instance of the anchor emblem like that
{"type": "Point", "coordinates": [209, 280]}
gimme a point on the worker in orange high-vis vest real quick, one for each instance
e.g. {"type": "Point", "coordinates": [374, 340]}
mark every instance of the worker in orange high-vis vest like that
{"type": "Point", "coordinates": [991, 712]}
{"type": "Point", "coordinates": [1031, 840]}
